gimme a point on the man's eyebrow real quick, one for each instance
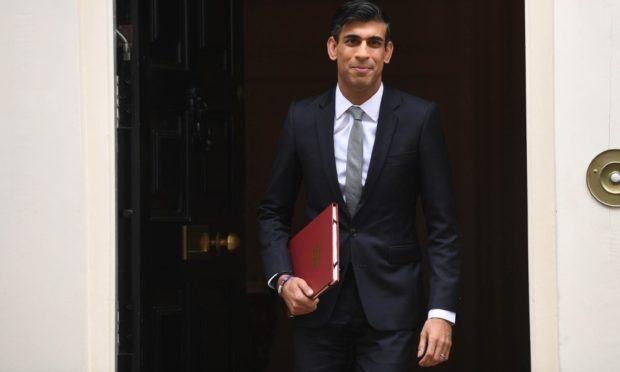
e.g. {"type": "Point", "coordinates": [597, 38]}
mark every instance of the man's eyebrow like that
{"type": "Point", "coordinates": [355, 36]}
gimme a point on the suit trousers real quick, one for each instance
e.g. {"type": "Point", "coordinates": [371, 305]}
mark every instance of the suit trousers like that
{"type": "Point", "coordinates": [348, 343]}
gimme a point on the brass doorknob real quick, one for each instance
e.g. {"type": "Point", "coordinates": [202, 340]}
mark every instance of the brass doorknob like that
{"type": "Point", "coordinates": [197, 243]}
{"type": "Point", "coordinates": [230, 242]}
{"type": "Point", "coordinates": [204, 242]}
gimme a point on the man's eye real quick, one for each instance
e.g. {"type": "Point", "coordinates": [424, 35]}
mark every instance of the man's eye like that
{"type": "Point", "coordinates": [351, 41]}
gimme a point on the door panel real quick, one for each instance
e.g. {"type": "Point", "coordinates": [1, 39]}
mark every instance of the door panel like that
{"type": "Point", "coordinates": [168, 166]}
{"type": "Point", "coordinates": [189, 154]}
{"type": "Point", "coordinates": [168, 44]}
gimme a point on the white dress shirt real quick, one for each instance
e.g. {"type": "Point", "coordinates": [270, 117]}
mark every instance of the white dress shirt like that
{"type": "Point", "coordinates": [343, 122]}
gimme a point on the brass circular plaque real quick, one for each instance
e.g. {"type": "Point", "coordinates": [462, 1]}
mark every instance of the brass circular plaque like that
{"type": "Point", "coordinates": [603, 178]}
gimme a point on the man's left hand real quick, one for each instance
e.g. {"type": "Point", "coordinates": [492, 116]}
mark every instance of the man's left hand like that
{"type": "Point", "coordinates": [435, 342]}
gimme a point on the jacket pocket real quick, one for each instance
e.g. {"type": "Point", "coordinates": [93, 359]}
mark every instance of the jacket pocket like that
{"type": "Point", "coordinates": [402, 254]}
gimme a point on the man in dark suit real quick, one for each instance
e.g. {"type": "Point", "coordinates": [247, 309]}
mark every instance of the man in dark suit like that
{"type": "Point", "coordinates": [375, 151]}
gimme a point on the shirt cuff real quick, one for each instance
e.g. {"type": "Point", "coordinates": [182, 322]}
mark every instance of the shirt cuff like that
{"type": "Point", "coordinates": [450, 316]}
{"type": "Point", "coordinates": [271, 282]}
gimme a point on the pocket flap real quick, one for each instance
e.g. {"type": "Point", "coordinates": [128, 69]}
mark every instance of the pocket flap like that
{"type": "Point", "coordinates": [400, 254]}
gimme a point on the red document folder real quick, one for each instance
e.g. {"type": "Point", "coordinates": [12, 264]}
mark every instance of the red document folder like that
{"type": "Point", "coordinates": [315, 251]}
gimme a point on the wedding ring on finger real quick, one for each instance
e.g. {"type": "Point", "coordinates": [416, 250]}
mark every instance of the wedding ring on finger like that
{"type": "Point", "coordinates": [443, 356]}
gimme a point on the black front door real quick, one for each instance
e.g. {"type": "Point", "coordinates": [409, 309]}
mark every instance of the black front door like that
{"type": "Point", "coordinates": [181, 273]}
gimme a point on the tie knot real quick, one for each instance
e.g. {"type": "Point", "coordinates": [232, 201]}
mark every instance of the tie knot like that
{"type": "Point", "coordinates": [357, 112]}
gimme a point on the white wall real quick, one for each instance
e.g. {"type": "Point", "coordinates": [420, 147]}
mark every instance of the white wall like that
{"type": "Point", "coordinates": [47, 275]}
{"type": "Point", "coordinates": [42, 257]}
{"type": "Point", "coordinates": [573, 94]}
{"type": "Point", "coordinates": [587, 106]}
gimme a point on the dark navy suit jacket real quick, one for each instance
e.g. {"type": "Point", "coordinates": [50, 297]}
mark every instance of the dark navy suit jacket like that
{"type": "Point", "coordinates": [408, 164]}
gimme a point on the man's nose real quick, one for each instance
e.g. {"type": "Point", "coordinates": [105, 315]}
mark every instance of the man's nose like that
{"type": "Point", "coordinates": [362, 50]}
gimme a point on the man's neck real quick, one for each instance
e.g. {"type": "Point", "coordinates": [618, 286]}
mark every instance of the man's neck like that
{"type": "Point", "coordinates": [358, 97]}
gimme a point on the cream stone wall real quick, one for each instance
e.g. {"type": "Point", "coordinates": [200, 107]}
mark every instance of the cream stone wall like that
{"type": "Point", "coordinates": [57, 186]}
{"type": "Point", "coordinates": [42, 260]}
{"type": "Point", "coordinates": [573, 91]}
{"type": "Point", "coordinates": [587, 106]}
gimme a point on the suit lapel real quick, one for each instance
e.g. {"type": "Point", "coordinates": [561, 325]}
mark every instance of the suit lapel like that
{"type": "Point", "coordinates": [325, 135]}
{"type": "Point", "coordinates": [385, 131]}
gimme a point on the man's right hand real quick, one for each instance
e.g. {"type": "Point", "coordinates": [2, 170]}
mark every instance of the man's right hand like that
{"type": "Point", "coordinates": [297, 296]}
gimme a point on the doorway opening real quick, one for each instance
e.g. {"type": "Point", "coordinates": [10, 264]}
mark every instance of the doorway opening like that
{"type": "Point", "coordinates": [202, 98]}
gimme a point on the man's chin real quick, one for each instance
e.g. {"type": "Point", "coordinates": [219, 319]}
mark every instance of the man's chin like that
{"type": "Point", "coordinates": [362, 85]}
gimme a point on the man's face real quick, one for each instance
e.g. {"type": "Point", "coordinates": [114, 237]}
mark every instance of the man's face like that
{"type": "Point", "coordinates": [360, 54]}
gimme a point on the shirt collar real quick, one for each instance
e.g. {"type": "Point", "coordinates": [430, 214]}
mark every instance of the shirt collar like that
{"type": "Point", "coordinates": [371, 107]}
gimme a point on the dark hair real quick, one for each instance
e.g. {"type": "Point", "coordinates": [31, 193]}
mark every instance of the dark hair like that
{"type": "Point", "coordinates": [359, 10]}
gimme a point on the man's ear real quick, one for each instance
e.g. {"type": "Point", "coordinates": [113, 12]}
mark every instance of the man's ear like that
{"type": "Point", "coordinates": [331, 48]}
{"type": "Point", "coordinates": [389, 49]}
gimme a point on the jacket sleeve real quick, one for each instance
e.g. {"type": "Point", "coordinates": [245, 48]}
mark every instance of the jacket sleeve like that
{"type": "Point", "coordinates": [444, 249]}
{"type": "Point", "coordinates": [275, 210]}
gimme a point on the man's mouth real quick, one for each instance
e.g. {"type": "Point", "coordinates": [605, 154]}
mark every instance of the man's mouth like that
{"type": "Point", "coordinates": [361, 68]}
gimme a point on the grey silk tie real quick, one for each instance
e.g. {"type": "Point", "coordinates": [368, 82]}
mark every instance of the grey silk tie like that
{"type": "Point", "coordinates": [355, 156]}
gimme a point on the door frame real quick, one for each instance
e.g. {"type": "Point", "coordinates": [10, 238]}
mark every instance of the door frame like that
{"type": "Point", "coordinates": [541, 184]}
{"type": "Point", "coordinates": [97, 61]}
{"type": "Point", "coordinates": [97, 88]}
